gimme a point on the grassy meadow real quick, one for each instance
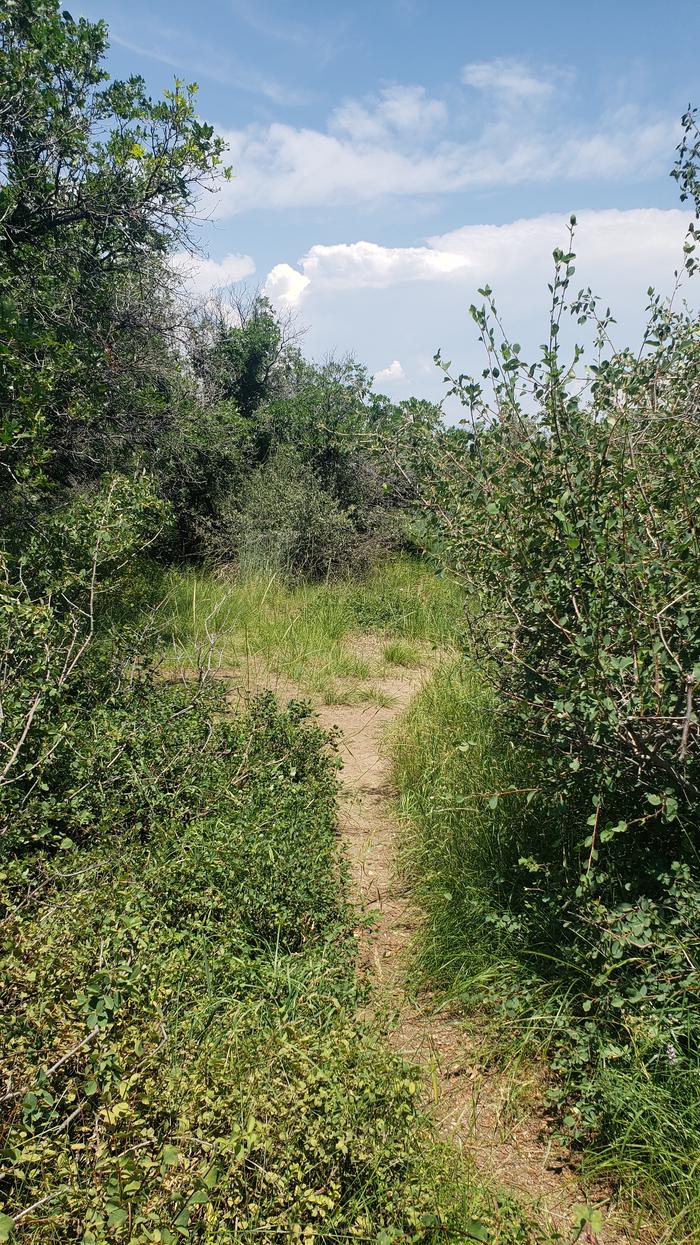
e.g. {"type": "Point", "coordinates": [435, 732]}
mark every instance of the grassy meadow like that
{"type": "Point", "coordinates": [304, 632]}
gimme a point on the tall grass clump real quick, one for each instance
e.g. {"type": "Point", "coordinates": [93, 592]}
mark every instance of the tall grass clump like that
{"type": "Point", "coordinates": [569, 509]}
{"type": "Point", "coordinates": [303, 631]}
{"type": "Point", "coordinates": [408, 597]}
{"type": "Point", "coordinates": [447, 763]}
{"type": "Point", "coordinates": [489, 940]}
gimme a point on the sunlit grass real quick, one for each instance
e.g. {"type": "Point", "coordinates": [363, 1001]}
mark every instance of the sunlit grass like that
{"type": "Point", "coordinates": [459, 846]}
{"type": "Point", "coordinates": [399, 653]}
{"type": "Point", "coordinates": [304, 632]}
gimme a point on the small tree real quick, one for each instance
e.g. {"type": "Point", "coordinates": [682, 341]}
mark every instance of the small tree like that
{"type": "Point", "coordinates": [96, 179]}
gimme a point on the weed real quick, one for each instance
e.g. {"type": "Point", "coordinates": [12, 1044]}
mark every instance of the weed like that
{"type": "Point", "coordinates": [399, 653]}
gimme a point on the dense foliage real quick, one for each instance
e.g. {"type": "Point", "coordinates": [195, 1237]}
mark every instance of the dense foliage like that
{"type": "Point", "coordinates": [568, 504]}
{"type": "Point", "coordinates": [105, 366]}
{"type": "Point", "coordinates": [181, 1056]}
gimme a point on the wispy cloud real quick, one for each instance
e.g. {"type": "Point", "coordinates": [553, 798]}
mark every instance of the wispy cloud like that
{"type": "Point", "coordinates": [365, 155]}
{"type": "Point", "coordinates": [197, 60]}
{"type": "Point", "coordinates": [398, 110]}
{"type": "Point", "coordinates": [407, 10]}
{"type": "Point", "coordinates": [322, 40]}
{"type": "Point", "coordinates": [506, 76]}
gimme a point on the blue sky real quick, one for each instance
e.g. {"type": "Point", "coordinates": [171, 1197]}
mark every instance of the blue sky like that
{"type": "Point", "coordinates": [389, 157]}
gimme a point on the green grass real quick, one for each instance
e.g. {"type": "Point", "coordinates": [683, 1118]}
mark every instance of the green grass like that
{"type": "Point", "coordinates": [447, 767]}
{"type": "Point", "coordinates": [461, 852]}
{"type": "Point", "coordinates": [399, 653]}
{"type": "Point", "coordinates": [360, 695]}
{"type": "Point", "coordinates": [406, 599]}
{"type": "Point", "coordinates": [304, 632]}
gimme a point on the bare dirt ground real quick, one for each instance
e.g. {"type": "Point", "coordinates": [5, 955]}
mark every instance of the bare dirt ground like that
{"type": "Point", "coordinates": [475, 1108]}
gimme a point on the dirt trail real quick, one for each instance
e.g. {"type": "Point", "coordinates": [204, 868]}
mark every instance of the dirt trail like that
{"type": "Point", "coordinates": [473, 1108]}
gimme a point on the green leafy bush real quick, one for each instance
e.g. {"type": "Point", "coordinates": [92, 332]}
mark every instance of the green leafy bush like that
{"type": "Point", "coordinates": [570, 513]}
{"type": "Point", "coordinates": [58, 586]}
{"type": "Point", "coordinates": [605, 997]}
{"type": "Point", "coordinates": [211, 862]}
{"type": "Point", "coordinates": [287, 522]}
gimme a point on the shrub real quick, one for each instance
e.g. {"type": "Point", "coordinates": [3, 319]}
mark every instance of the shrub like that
{"type": "Point", "coordinates": [194, 843]}
{"type": "Point", "coordinates": [570, 513]}
{"type": "Point", "coordinates": [57, 590]}
{"type": "Point", "coordinates": [607, 999]}
{"type": "Point", "coordinates": [287, 522]}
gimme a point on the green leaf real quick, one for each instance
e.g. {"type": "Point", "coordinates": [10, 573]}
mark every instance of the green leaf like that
{"type": "Point", "coordinates": [211, 1177]}
{"type": "Point", "coordinates": [6, 1227]}
{"type": "Point", "coordinates": [477, 1231]}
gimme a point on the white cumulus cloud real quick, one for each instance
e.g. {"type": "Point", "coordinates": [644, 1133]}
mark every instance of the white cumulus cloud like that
{"type": "Point", "coordinates": [285, 285]}
{"type": "Point", "coordinates": [359, 265]}
{"type": "Point", "coordinates": [403, 303]}
{"type": "Point", "coordinates": [393, 372]}
{"type": "Point", "coordinates": [622, 238]}
{"type": "Point", "coordinates": [477, 253]}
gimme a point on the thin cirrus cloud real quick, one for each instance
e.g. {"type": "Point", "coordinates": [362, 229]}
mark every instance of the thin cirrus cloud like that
{"type": "Point", "coordinates": [181, 52]}
{"type": "Point", "coordinates": [508, 77]}
{"type": "Point", "coordinates": [322, 40]}
{"type": "Point", "coordinates": [402, 142]}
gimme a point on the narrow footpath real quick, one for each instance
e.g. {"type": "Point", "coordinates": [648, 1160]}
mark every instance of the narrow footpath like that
{"type": "Point", "coordinates": [496, 1122]}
